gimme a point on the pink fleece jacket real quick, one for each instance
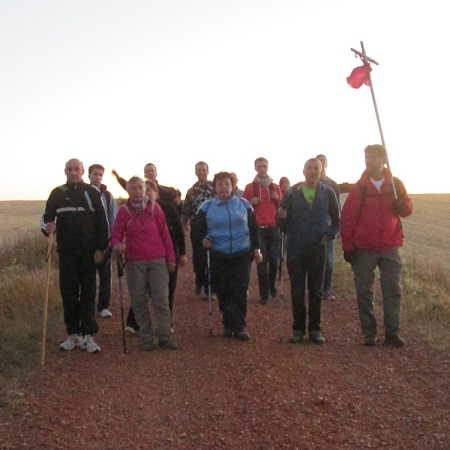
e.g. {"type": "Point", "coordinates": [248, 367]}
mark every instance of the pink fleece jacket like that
{"type": "Point", "coordinates": [147, 235]}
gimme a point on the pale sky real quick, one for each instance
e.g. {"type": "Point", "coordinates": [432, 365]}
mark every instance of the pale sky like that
{"type": "Point", "coordinates": [123, 83]}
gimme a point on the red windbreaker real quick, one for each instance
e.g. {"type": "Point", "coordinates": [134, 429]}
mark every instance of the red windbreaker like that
{"type": "Point", "coordinates": [368, 221]}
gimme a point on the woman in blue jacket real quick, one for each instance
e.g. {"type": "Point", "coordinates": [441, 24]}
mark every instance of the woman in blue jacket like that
{"type": "Point", "coordinates": [227, 227]}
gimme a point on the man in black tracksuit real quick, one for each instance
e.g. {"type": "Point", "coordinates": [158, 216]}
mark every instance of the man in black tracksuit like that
{"type": "Point", "coordinates": [82, 237]}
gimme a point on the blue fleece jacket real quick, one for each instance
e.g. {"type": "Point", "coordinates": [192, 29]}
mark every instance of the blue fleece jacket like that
{"type": "Point", "coordinates": [230, 226]}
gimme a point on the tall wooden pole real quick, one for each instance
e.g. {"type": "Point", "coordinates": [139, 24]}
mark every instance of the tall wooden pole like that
{"type": "Point", "coordinates": [363, 55]}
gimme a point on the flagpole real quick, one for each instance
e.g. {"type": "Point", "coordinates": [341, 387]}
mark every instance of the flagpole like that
{"type": "Point", "coordinates": [364, 55]}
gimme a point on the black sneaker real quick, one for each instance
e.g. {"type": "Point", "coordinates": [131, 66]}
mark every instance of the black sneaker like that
{"type": "Point", "coordinates": [148, 346]}
{"type": "Point", "coordinates": [227, 333]}
{"type": "Point", "coordinates": [394, 341]}
{"type": "Point", "coordinates": [316, 337]}
{"type": "Point", "coordinates": [297, 337]}
{"type": "Point", "coordinates": [243, 336]}
{"type": "Point", "coordinates": [369, 341]}
{"type": "Point", "coordinates": [169, 344]}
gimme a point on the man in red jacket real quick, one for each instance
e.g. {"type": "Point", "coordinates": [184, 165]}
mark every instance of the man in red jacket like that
{"type": "Point", "coordinates": [371, 234]}
{"type": "Point", "coordinates": [265, 197]}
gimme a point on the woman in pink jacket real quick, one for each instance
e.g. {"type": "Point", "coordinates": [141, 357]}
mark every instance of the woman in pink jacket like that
{"type": "Point", "coordinates": [150, 257]}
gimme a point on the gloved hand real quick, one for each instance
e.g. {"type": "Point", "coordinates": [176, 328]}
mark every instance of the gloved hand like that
{"type": "Point", "coordinates": [398, 206]}
{"type": "Point", "coordinates": [350, 257]}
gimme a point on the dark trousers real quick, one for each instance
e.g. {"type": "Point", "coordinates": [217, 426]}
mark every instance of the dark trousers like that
{"type": "Point", "coordinates": [329, 268]}
{"type": "Point", "coordinates": [269, 244]}
{"type": "Point", "coordinates": [172, 286]}
{"type": "Point", "coordinates": [310, 268]}
{"type": "Point", "coordinates": [104, 274]}
{"type": "Point", "coordinates": [77, 287]}
{"type": "Point", "coordinates": [230, 275]}
{"type": "Point", "coordinates": [199, 261]}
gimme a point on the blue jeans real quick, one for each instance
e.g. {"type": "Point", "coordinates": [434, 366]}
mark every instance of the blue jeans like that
{"type": "Point", "coordinates": [307, 268]}
{"type": "Point", "coordinates": [269, 244]}
{"type": "Point", "coordinates": [328, 268]}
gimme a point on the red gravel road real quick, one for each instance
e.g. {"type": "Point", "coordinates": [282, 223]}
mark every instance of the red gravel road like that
{"type": "Point", "coordinates": [216, 392]}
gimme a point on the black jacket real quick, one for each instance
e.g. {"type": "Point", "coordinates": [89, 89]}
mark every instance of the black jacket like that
{"type": "Point", "coordinates": [81, 223]}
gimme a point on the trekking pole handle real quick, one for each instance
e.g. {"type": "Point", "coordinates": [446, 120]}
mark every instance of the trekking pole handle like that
{"type": "Point", "coordinates": [120, 266]}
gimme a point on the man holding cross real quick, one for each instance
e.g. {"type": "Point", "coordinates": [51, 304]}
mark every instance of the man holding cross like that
{"type": "Point", "coordinates": [371, 235]}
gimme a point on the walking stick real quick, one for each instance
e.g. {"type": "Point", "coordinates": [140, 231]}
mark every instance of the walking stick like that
{"type": "Point", "coordinates": [282, 283]}
{"type": "Point", "coordinates": [120, 267]}
{"type": "Point", "coordinates": [208, 264]}
{"type": "Point", "coordinates": [47, 288]}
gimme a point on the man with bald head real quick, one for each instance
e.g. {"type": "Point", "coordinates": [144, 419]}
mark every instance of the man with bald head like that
{"type": "Point", "coordinates": [309, 215]}
{"type": "Point", "coordinates": [74, 212]}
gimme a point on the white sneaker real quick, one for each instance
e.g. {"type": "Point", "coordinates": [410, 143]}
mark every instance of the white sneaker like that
{"type": "Point", "coordinates": [74, 340]}
{"type": "Point", "coordinates": [89, 344]}
{"type": "Point", "coordinates": [105, 313]}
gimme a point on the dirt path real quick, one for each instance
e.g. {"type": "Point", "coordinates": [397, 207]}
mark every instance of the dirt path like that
{"type": "Point", "coordinates": [216, 392]}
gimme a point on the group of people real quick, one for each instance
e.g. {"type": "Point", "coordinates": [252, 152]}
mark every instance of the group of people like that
{"type": "Point", "coordinates": [229, 228]}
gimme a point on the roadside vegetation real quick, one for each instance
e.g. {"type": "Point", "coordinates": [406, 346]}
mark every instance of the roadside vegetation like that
{"type": "Point", "coordinates": [22, 291]}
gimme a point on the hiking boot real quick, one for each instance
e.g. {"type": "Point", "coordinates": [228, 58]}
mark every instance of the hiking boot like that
{"type": "Point", "coordinates": [369, 341]}
{"type": "Point", "coordinates": [273, 291]}
{"type": "Point", "coordinates": [297, 337]}
{"type": "Point", "coordinates": [394, 341]}
{"type": "Point", "coordinates": [227, 333]}
{"type": "Point", "coordinates": [89, 344]}
{"type": "Point", "coordinates": [105, 313]}
{"type": "Point", "coordinates": [263, 300]}
{"type": "Point", "coordinates": [243, 336]}
{"type": "Point", "coordinates": [148, 346]}
{"type": "Point", "coordinates": [316, 337]}
{"type": "Point", "coordinates": [169, 344]}
{"type": "Point", "coordinates": [74, 340]}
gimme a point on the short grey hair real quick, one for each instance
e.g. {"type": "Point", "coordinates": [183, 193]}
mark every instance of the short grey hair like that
{"type": "Point", "coordinates": [135, 180]}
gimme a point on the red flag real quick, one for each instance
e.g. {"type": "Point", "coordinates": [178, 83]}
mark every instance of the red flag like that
{"type": "Point", "coordinates": [360, 76]}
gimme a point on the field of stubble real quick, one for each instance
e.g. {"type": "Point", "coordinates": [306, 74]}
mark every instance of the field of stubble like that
{"type": "Point", "coordinates": [427, 231]}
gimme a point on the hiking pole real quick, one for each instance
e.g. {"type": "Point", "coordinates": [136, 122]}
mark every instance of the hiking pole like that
{"type": "Point", "coordinates": [47, 288]}
{"type": "Point", "coordinates": [282, 284]}
{"type": "Point", "coordinates": [208, 265]}
{"type": "Point", "coordinates": [120, 267]}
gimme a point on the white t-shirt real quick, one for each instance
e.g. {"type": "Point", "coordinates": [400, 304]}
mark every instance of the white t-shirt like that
{"type": "Point", "coordinates": [377, 183]}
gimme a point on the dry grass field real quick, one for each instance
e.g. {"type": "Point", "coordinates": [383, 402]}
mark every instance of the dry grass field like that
{"type": "Point", "coordinates": [19, 216]}
{"type": "Point", "coordinates": [427, 231]}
